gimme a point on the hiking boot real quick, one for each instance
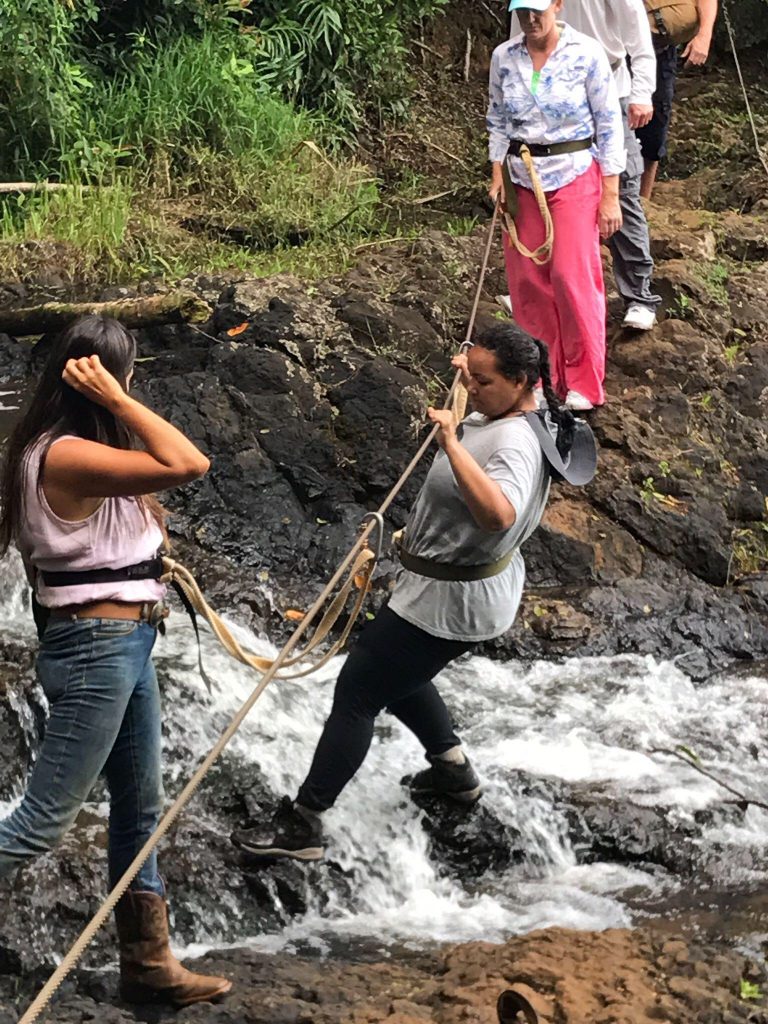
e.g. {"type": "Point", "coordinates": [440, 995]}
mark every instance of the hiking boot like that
{"type": "Point", "coordinates": [149, 972]}
{"type": "Point", "coordinates": [295, 832]}
{"type": "Point", "coordinates": [444, 778]}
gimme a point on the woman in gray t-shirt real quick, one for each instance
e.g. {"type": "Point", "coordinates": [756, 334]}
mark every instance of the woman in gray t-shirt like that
{"type": "Point", "coordinates": [461, 583]}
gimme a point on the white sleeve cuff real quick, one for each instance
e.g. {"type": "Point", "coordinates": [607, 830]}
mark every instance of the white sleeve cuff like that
{"type": "Point", "coordinates": [645, 99]}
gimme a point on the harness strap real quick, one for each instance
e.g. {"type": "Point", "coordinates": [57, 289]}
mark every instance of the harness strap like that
{"type": "Point", "coordinates": [151, 569]}
{"type": "Point", "coordinates": [168, 571]}
{"type": "Point", "coordinates": [358, 576]}
{"type": "Point", "coordinates": [526, 151]}
{"type": "Point", "coordinates": [451, 573]}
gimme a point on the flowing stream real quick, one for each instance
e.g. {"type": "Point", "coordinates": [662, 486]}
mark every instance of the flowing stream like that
{"type": "Point", "coordinates": [585, 723]}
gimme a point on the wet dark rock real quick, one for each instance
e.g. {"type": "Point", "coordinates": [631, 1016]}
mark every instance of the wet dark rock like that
{"type": "Point", "coordinates": [469, 841]}
{"type": "Point", "coordinates": [21, 715]}
{"type": "Point", "coordinates": [309, 413]}
{"type": "Point", "coordinates": [15, 358]}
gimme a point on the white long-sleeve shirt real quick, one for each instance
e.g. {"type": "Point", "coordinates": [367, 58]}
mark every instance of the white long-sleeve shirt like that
{"type": "Point", "coordinates": [622, 29]}
{"type": "Point", "coordinates": [573, 97]}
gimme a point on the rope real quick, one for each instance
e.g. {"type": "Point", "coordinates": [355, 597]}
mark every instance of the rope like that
{"type": "Point", "coordinates": [542, 253]}
{"type": "Point", "coordinates": [758, 148]}
{"type": "Point", "coordinates": [357, 560]}
{"type": "Point", "coordinates": [359, 575]}
{"type": "Point", "coordinates": [460, 396]}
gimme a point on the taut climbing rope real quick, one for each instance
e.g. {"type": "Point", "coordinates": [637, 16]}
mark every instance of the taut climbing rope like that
{"type": "Point", "coordinates": [359, 559]}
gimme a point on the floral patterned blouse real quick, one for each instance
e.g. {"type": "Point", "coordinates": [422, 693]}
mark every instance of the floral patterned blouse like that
{"type": "Point", "coordinates": [573, 97]}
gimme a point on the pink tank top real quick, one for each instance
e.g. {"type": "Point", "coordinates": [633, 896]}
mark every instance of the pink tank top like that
{"type": "Point", "coordinates": [118, 533]}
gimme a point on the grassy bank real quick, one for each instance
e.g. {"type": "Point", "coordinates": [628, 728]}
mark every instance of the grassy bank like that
{"type": "Point", "coordinates": [190, 145]}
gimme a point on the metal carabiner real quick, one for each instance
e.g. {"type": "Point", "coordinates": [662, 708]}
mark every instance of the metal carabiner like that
{"type": "Point", "coordinates": [378, 518]}
{"type": "Point", "coordinates": [466, 344]}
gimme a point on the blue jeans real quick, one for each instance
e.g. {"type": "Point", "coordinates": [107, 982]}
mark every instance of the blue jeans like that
{"type": "Point", "coordinates": [104, 702]}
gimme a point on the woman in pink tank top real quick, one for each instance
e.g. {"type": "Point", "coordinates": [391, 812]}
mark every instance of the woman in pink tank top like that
{"type": "Point", "coordinates": [77, 499]}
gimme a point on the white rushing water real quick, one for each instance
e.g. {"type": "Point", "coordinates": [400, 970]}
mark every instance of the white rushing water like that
{"type": "Point", "coordinates": [585, 722]}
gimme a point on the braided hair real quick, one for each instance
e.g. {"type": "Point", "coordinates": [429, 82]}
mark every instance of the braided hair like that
{"type": "Point", "coordinates": [520, 355]}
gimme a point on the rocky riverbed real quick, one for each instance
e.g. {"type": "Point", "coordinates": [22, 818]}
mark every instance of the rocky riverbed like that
{"type": "Point", "coordinates": [647, 603]}
{"type": "Point", "coordinates": [612, 977]}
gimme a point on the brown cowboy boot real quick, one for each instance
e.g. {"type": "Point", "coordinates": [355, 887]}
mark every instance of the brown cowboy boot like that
{"type": "Point", "coordinates": [149, 972]}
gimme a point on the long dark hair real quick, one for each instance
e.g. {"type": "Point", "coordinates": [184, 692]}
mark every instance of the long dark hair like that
{"type": "Point", "coordinates": [56, 409]}
{"type": "Point", "coordinates": [519, 355]}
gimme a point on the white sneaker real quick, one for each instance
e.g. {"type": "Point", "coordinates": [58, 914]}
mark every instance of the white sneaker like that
{"type": "Point", "coordinates": [505, 302]}
{"type": "Point", "coordinates": [639, 318]}
{"type": "Point", "coordinates": [577, 402]}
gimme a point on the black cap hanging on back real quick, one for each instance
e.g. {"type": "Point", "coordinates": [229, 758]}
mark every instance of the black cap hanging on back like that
{"type": "Point", "coordinates": [580, 464]}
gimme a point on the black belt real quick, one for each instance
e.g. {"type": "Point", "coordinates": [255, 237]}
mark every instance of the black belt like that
{"type": "Point", "coordinates": [555, 149]}
{"type": "Point", "coordinates": [152, 569]}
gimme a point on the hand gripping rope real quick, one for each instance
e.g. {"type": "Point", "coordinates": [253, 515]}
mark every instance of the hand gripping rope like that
{"type": "Point", "coordinates": [360, 561]}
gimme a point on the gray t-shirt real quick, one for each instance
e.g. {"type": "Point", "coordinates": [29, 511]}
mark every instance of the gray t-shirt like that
{"type": "Point", "coordinates": [442, 528]}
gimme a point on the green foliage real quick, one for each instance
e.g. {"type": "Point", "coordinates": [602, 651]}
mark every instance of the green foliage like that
{"type": "Point", "coordinates": [748, 990]}
{"type": "Point", "coordinates": [341, 57]}
{"type": "Point", "coordinates": [714, 276]}
{"type": "Point", "coordinates": [648, 492]}
{"type": "Point", "coordinates": [731, 354]}
{"type": "Point", "coordinates": [706, 401]}
{"type": "Point", "coordinates": [44, 84]}
{"type": "Point", "coordinates": [682, 307]}
{"type": "Point", "coordinates": [78, 84]}
{"type": "Point", "coordinates": [192, 95]}
{"type": "Point", "coordinates": [461, 226]}
{"type": "Point", "coordinates": [749, 19]}
{"type": "Point", "coordinates": [231, 108]}
{"type": "Point", "coordinates": [93, 220]}
{"type": "Point", "coordinates": [750, 548]}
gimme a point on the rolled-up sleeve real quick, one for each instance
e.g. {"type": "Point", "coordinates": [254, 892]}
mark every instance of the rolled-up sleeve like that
{"type": "Point", "coordinates": [603, 100]}
{"type": "Point", "coordinates": [496, 119]}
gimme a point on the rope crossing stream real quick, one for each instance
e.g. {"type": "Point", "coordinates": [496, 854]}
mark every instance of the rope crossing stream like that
{"type": "Point", "coordinates": [358, 564]}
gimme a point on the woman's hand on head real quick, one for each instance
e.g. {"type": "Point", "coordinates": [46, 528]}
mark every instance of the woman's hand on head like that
{"type": "Point", "coordinates": [91, 379]}
{"type": "Point", "coordinates": [444, 418]}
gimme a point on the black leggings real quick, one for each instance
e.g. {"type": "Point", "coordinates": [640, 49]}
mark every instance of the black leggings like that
{"type": "Point", "coordinates": [391, 666]}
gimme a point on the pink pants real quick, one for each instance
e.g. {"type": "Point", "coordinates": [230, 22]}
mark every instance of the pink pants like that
{"type": "Point", "coordinates": [563, 302]}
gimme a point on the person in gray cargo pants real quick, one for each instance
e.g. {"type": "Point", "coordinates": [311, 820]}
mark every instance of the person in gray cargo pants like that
{"type": "Point", "coordinates": [622, 29]}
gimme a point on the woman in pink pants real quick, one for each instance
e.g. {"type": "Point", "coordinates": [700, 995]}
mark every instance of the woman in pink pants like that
{"type": "Point", "coordinates": [552, 90]}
